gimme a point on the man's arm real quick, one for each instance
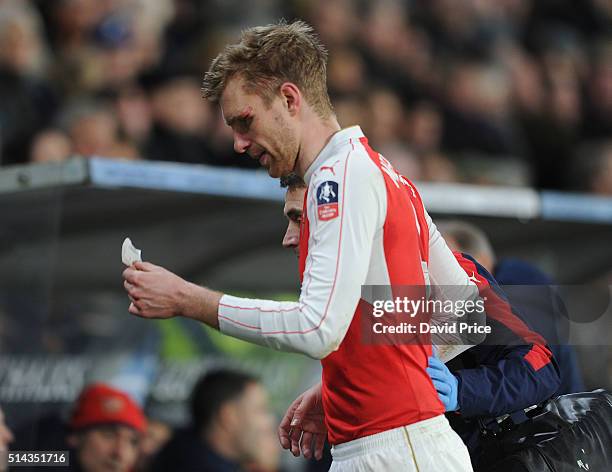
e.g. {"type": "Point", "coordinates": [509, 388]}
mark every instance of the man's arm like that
{"type": "Point", "coordinates": [338, 260]}
{"type": "Point", "coordinates": [507, 384]}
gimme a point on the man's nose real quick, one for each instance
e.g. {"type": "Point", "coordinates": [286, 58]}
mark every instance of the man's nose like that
{"type": "Point", "coordinates": [121, 450]}
{"type": "Point", "coordinates": [241, 144]}
{"type": "Point", "coordinates": [292, 237]}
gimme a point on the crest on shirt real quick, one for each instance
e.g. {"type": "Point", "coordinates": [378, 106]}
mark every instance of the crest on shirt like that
{"type": "Point", "coordinates": [327, 200]}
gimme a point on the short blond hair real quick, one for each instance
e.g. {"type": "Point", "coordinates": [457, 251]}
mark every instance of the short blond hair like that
{"type": "Point", "coordinates": [268, 56]}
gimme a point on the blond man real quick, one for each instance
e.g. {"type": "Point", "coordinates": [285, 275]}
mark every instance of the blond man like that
{"type": "Point", "coordinates": [363, 225]}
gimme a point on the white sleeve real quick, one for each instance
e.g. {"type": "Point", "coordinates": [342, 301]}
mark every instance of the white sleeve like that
{"type": "Point", "coordinates": [339, 251]}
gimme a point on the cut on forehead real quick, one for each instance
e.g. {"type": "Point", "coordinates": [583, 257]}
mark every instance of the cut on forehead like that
{"type": "Point", "coordinates": [231, 117]}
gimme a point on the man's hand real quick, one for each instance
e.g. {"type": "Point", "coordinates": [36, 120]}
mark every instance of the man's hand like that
{"type": "Point", "coordinates": [445, 382]}
{"type": "Point", "coordinates": [158, 293]}
{"type": "Point", "coordinates": [303, 426]}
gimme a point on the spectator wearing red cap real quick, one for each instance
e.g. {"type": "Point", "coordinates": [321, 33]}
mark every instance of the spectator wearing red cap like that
{"type": "Point", "coordinates": [106, 430]}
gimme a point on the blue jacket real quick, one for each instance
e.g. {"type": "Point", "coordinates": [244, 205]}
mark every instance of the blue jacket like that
{"type": "Point", "coordinates": [534, 295]}
{"type": "Point", "coordinates": [511, 370]}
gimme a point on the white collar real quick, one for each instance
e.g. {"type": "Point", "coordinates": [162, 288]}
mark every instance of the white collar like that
{"type": "Point", "coordinates": [338, 139]}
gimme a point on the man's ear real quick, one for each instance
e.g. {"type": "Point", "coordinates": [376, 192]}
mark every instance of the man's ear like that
{"type": "Point", "coordinates": [292, 97]}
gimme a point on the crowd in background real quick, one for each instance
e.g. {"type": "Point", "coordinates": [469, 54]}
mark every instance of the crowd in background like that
{"type": "Point", "coordinates": [499, 92]}
{"type": "Point", "coordinates": [230, 428]}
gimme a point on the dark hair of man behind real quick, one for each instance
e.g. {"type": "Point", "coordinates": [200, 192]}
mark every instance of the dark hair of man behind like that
{"type": "Point", "coordinates": [292, 181]}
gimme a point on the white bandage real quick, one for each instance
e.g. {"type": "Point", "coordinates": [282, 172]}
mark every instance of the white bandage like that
{"type": "Point", "coordinates": [129, 254]}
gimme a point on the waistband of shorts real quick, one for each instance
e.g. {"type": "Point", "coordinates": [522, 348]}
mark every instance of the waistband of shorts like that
{"type": "Point", "coordinates": [386, 439]}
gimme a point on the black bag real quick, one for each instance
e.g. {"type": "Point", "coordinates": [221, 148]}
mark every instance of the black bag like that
{"type": "Point", "coordinates": [568, 433]}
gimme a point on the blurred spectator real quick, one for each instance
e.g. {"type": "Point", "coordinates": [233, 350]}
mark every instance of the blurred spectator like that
{"type": "Point", "coordinates": [150, 22]}
{"type": "Point", "coordinates": [553, 134]}
{"type": "Point", "coordinates": [351, 111]}
{"type": "Point", "coordinates": [423, 127]}
{"type": "Point", "coordinates": [26, 100]}
{"type": "Point", "coordinates": [395, 54]}
{"type": "Point", "coordinates": [346, 73]}
{"type": "Point", "coordinates": [94, 130]}
{"type": "Point", "coordinates": [465, 237]}
{"type": "Point", "coordinates": [177, 105]}
{"type": "Point", "coordinates": [336, 21]}
{"type": "Point", "coordinates": [134, 114]}
{"type": "Point", "coordinates": [594, 167]}
{"type": "Point", "coordinates": [50, 146]}
{"type": "Point", "coordinates": [477, 117]}
{"type": "Point", "coordinates": [181, 120]}
{"type": "Point", "coordinates": [385, 116]}
{"type": "Point", "coordinates": [73, 20]}
{"type": "Point", "coordinates": [106, 430]}
{"type": "Point", "coordinates": [527, 86]}
{"type": "Point", "coordinates": [598, 114]}
{"type": "Point", "coordinates": [439, 168]}
{"type": "Point", "coordinates": [231, 428]}
{"type": "Point", "coordinates": [403, 159]}
{"type": "Point", "coordinates": [511, 87]}
{"type": "Point", "coordinates": [6, 437]}
{"type": "Point", "coordinates": [23, 49]}
{"type": "Point", "coordinates": [237, 14]}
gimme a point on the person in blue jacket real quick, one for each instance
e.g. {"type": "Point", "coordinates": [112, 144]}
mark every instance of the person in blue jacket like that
{"type": "Point", "coordinates": [531, 292]}
{"type": "Point", "coordinates": [510, 371]}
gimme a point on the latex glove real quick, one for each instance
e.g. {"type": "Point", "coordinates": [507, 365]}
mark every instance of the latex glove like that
{"type": "Point", "coordinates": [445, 382]}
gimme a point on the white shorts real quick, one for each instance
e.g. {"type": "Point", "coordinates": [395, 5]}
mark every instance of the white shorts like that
{"type": "Point", "coordinates": [427, 446]}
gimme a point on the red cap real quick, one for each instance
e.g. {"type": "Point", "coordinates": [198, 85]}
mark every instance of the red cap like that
{"type": "Point", "coordinates": [101, 404]}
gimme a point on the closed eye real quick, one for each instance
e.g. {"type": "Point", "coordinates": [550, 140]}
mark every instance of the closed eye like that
{"type": "Point", "coordinates": [295, 216]}
{"type": "Point", "coordinates": [243, 125]}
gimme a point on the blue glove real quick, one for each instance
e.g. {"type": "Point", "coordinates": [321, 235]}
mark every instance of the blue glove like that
{"type": "Point", "coordinates": [445, 383]}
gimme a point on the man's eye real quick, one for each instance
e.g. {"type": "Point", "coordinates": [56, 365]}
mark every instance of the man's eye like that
{"type": "Point", "coordinates": [243, 125]}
